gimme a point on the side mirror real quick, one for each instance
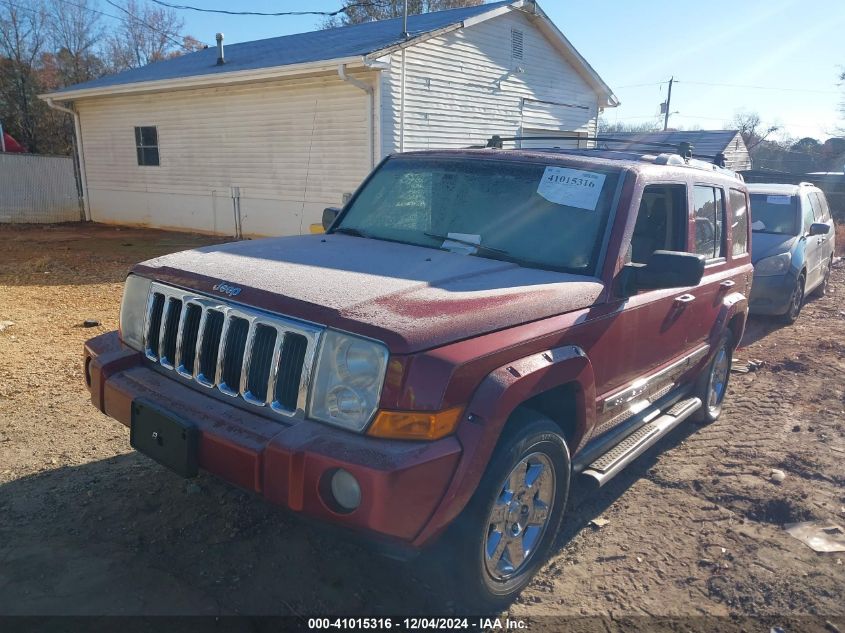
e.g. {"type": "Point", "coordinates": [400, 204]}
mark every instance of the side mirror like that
{"type": "Point", "coordinates": [329, 216]}
{"type": "Point", "coordinates": [819, 228]}
{"type": "Point", "coordinates": [665, 269]}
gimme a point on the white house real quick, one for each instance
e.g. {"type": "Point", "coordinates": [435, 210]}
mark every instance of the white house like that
{"type": "Point", "coordinates": [289, 125]}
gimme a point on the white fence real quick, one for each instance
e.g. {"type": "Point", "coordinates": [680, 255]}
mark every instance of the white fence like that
{"type": "Point", "coordinates": [38, 189]}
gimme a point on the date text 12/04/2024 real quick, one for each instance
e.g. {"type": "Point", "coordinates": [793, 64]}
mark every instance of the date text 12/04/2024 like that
{"type": "Point", "coordinates": [416, 623]}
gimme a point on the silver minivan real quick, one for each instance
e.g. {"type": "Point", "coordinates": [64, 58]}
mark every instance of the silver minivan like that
{"type": "Point", "coordinates": [792, 247]}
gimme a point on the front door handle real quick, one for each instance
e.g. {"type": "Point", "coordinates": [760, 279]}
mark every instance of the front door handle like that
{"type": "Point", "coordinates": [684, 299]}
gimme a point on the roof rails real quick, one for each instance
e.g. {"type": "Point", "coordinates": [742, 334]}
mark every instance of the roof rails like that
{"type": "Point", "coordinates": [684, 149]}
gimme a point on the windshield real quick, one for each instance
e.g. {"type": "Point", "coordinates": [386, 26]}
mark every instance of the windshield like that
{"type": "Point", "coordinates": [774, 213]}
{"type": "Point", "coordinates": [536, 215]}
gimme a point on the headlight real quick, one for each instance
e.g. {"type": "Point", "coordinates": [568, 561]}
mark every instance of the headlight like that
{"type": "Point", "coordinates": [347, 381]}
{"type": "Point", "coordinates": [133, 310]}
{"type": "Point", "coordinates": [775, 265]}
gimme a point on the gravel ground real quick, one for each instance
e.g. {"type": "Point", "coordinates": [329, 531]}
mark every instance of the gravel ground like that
{"type": "Point", "coordinates": [694, 528]}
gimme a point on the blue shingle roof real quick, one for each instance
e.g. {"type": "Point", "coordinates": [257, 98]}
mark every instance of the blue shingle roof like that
{"type": "Point", "coordinates": [327, 44]}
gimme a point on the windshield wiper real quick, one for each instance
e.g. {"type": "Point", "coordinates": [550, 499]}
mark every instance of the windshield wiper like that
{"type": "Point", "coordinates": [348, 230]}
{"type": "Point", "coordinates": [480, 247]}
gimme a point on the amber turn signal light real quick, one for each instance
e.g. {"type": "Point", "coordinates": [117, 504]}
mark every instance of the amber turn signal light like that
{"type": "Point", "coordinates": [415, 425]}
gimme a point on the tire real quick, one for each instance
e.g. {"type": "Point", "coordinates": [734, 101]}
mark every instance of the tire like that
{"type": "Point", "coordinates": [712, 384]}
{"type": "Point", "coordinates": [534, 450]}
{"type": "Point", "coordinates": [821, 289]}
{"type": "Point", "coordinates": [796, 301]}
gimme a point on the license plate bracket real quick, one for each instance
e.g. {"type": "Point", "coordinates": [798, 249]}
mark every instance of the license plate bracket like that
{"type": "Point", "coordinates": [165, 437]}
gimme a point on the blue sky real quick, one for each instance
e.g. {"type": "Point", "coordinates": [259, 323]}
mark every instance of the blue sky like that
{"type": "Point", "coordinates": [791, 51]}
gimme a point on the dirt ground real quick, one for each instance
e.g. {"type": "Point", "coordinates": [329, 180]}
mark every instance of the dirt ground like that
{"type": "Point", "coordinates": [694, 528]}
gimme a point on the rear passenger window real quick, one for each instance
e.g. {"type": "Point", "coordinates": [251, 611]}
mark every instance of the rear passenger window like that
{"type": "Point", "coordinates": [739, 222]}
{"type": "Point", "coordinates": [661, 222]}
{"type": "Point", "coordinates": [709, 219]}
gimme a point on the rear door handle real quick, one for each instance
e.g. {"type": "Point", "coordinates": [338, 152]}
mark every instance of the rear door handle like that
{"type": "Point", "coordinates": [684, 299]}
{"type": "Point", "coordinates": [728, 283]}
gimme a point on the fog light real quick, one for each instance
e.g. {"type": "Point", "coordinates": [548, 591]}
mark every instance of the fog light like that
{"type": "Point", "coordinates": [345, 490]}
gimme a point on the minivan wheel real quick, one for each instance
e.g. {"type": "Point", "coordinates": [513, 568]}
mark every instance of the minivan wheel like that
{"type": "Point", "coordinates": [821, 289]}
{"type": "Point", "coordinates": [795, 302]}
{"type": "Point", "coordinates": [507, 530]}
{"type": "Point", "coordinates": [712, 384]}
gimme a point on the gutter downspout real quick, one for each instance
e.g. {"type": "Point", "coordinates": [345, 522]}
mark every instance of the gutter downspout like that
{"type": "Point", "coordinates": [370, 90]}
{"type": "Point", "coordinates": [77, 130]}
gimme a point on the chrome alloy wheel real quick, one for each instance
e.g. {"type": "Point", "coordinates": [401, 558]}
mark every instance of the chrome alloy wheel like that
{"type": "Point", "coordinates": [718, 379]}
{"type": "Point", "coordinates": [519, 516]}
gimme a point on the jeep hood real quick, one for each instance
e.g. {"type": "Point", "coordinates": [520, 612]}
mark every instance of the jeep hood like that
{"type": "Point", "coordinates": [410, 297]}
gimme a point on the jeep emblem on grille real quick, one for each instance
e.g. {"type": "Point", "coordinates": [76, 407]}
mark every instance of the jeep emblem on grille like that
{"type": "Point", "coordinates": [226, 289]}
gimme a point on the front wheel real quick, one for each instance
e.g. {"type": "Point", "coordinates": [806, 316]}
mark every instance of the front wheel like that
{"type": "Point", "coordinates": [712, 385]}
{"type": "Point", "coordinates": [507, 530]}
{"type": "Point", "coordinates": [795, 302]}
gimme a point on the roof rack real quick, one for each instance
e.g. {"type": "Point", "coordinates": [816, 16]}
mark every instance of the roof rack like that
{"type": "Point", "coordinates": [684, 149]}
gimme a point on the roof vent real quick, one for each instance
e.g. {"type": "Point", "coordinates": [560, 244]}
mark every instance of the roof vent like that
{"type": "Point", "coordinates": [220, 58]}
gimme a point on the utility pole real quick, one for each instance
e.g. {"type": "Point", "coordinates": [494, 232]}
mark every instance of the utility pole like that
{"type": "Point", "coordinates": [668, 105]}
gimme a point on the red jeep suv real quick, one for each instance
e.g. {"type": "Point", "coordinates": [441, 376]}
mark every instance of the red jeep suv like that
{"type": "Point", "coordinates": [475, 329]}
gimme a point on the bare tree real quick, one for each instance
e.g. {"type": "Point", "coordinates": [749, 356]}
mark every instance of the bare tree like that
{"type": "Point", "coordinates": [76, 32]}
{"type": "Point", "coordinates": [751, 128]}
{"type": "Point", "coordinates": [147, 34]}
{"type": "Point", "coordinates": [606, 127]}
{"type": "Point", "coordinates": [22, 41]}
{"type": "Point", "coordinates": [357, 12]}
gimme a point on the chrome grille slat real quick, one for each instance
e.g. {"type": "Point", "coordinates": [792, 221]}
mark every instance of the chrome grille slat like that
{"type": "Point", "coordinates": [170, 320]}
{"type": "Point", "coordinates": [259, 359]}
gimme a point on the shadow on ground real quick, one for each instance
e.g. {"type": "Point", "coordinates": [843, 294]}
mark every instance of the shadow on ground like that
{"type": "Point", "coordinates": [126, 536]}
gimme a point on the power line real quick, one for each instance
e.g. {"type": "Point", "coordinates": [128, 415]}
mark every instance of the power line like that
{"type": "Point", "coordinates": [656, 83]}
{"type": "Point", "coordinates": [328, 14]}
{"type": "Point", "coordinates": [108, 15]}
{"type": "Point", "coordinates": [148, 25]}
{"type": "Point", "coordinates": [753, 87]}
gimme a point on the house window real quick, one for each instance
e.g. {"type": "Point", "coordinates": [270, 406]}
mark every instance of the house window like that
{"type": "Point", "coordinates": [516, 43]}
{"type": "Point", "coordinates": [146, 145]}
{"type": "Point", "coordinates": [709, 219]}
{"type": "Point", "coordinates": [739, 226]}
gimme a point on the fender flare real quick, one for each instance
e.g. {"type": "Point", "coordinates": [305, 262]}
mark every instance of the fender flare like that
{"type": "Point", "coordinates": [733, 304]}
{"type": "Point", "coordinates": [492, 404]}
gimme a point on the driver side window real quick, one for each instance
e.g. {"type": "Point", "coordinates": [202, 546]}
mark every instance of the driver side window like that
{"type": "Point", "coordinates": [661, 222]}
{"type": "Point", "coordinates": [808, 211]}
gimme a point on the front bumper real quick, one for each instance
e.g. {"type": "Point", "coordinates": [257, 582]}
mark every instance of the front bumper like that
{"type": "Point", "coordinates": [401, 482]}
{"type": "Point", "coordinates": [771, 294]}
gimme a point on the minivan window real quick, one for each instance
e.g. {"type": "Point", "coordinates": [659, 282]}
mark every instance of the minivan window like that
{"type": "Point", "coordinates": [739, 222]}
{"type": "Point", "coordinates": [537, 215]}
{"type": "Point", "coordinates": [820, 207]}
{"type": "Point", "coordinates": [810, 213]}
{"type": "Point", "coordinates": [709, 214]}
{"type": "Point", "coordinates": [773, 213]}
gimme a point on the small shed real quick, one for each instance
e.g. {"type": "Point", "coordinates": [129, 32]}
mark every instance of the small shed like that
{"type": "Point", "coordinates": [262, 140]}
{"type": "Point", "coordinates": [706, 143]}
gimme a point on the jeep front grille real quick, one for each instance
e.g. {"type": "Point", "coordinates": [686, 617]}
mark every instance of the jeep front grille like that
{"type": "Point", "coordinates": [261, 359]}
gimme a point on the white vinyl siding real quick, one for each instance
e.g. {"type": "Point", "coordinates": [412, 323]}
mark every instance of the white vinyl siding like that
{"type": "Point", "coordinates": [292, 146]}
{"type": "Point", "coordinates": [464, 86]}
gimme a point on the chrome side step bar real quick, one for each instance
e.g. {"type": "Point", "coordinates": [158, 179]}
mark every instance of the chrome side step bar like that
{"type": "Point", "coordinates": [613, 461]}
